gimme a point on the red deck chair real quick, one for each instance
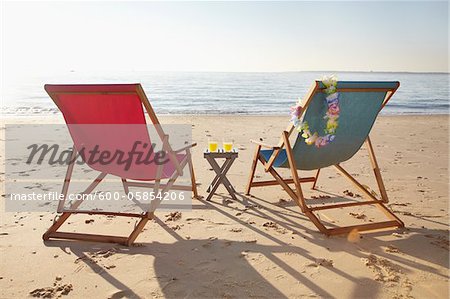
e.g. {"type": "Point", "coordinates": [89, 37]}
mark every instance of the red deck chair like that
{"type": "Point", "coordinates": [102, 115]}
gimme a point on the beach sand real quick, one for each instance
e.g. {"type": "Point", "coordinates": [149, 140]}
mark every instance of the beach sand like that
{"type": "Point", "coordinates": [261, 245]}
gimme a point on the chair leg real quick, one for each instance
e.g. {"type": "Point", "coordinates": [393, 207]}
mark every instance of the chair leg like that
{"type": "Point", "coordinates": [155, 203]}
{"type": "Point", "coordinates": [252, 170]}
{"type": "Point", "coordinates": [125, 186]}
{"type": "Point", "coordinates": [67, 178]}
{"type": "Point", "coordinates": [376, 171]}
{"type": "Point", "coordinates": [292, 165]}
{"type": "Point", "coordinates": [57, 224]}
{"type": "Point", "coordinates": [88, 190]}
{"type": "Point", "coordinates": [192, 173]}
{"type": "Point", "coordinates": [315, 179]}
{"type": "Point", "coordinates": [159, 171]}
{"type": "Point", "coordinates": [138, 229]}
{"type": "Point", "coordinates": [317, 223]}
{"type": "Point", "coordinates": [282, 183]}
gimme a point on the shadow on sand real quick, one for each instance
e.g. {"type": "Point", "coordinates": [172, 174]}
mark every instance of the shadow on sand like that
{"type": "Point", "coordinates": [237, 276]}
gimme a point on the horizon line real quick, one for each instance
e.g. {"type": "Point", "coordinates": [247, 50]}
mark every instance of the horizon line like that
{"type": "Point", "coordinates": [296, 71]}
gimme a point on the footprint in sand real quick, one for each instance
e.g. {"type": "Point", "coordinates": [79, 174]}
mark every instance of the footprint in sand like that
{"type": "Point", "coordinates": [174, 216]}
{"type": "Point", "coordinates": [57, 290]}
{"type": "Point", "coordinates": [361, 216]}
{"type": "Point", "coordinates": [388, 273]}
{"type": "Point", "coordinates": [275, 226]}
{"type": "Point", "coordinates": [384, 270]}
{"type": "Point", "coordinates": [95, 257]}
{"type": "Point", "coordinates": [321, 262]}
{"type": "Point", "coordinates": [349, 193]}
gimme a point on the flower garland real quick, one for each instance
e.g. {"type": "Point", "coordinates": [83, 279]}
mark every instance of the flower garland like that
{"type": "Point", "coordinates": [331, 115]}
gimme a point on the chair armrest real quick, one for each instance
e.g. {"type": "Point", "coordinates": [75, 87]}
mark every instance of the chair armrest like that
{"type": "Point", "coordinates": [185, 148]}
{"type": "Point", "coordinates": [265, 144]}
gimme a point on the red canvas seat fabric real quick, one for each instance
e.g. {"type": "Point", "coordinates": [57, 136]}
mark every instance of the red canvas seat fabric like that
{"type": "Point", "coordinates": [109, 118]}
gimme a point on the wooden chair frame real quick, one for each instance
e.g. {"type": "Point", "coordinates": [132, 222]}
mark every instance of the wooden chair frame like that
{"type": "Point", "coordinates": [157, 185]}
{"type": "Point", "coordinates": [297, 193]}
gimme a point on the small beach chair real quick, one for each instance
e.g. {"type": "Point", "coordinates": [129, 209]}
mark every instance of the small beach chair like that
{"type": "Point", "coordinates": [360, 103]}
{"type": "Point", "coordinates": [112, 116]}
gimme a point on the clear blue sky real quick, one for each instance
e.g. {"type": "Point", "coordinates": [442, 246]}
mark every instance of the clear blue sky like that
{"type": "Point", "coordinates": [218, 36]}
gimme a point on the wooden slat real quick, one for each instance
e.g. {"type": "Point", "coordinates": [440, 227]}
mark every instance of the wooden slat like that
{"type": "Point", "coordinates": [389, 95]}
{"type": "Point", "coordinates": [285, 186]}
{"type": "Point", "coordinates": [304, 104]}
{"type": "Point", "coordinates": [287, 181]}
{"type": "Point", "coordinates": [185, 148]}
{"type": "Point", "coordinates": [96, 92]}
{"type": "Point", "coordinates": [192, 172]}
{"type": "Point", "coordinates": [137, 230]}
{"type": "Point", "coordinates": [151, 113]}
{"type": "Point", "coordinates": [67, 178]}
{"type": "Point", "coordinates": [316, 222]}
{"type": "Point", "coordinates": [252, 170]}
{"type": "Point", "coordinates": [220, 154]}
{"type": "Point", "coordinates": [265, 145]}
{"type": "Point", "coordinates": [272, 159]}
{"type": "Point", "coordinates": [88, 190]}
{"type": "Point", "coordinates": [315, 179]}
{"type": "Point", "coordinates": [298, 188]}
{"type": "Point", "coordinates": [56, 224]}
{"type": "Point", "coordinates": [361, 89]}
{"type": "Point", "coordinates": [151, 185]}
{"type": "Point", "coordinates": [88, 237]}
{"type": "Point", "coordinates": [94, 212]}
{"type": "Point", "coordinates": [362, 227]}
{"type": "Point", "coordinates": [125, 186]}
{"type": "Point", "coordinates": [344, 205]}
{"type": "Point", "coordinates": [376, 170]}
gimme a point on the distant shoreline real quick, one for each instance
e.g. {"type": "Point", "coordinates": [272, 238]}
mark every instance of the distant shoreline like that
{"type": "Point", "coordinates": [53, 118]}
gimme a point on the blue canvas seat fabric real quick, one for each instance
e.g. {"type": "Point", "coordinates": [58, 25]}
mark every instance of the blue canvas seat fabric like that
{"type": "Point", "coordinates": [279, 161]}
{"type": "Point", "coordinates": [358, 112]}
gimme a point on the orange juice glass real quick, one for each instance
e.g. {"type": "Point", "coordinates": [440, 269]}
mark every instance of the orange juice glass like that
{"type": "Point", "coordinates": [227, 146]}
{"type": "Point", "coordinates": [212, 146]}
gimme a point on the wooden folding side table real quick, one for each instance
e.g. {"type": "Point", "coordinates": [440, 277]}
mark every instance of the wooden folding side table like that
{"type": "Point", "coordinates": [221, 171]}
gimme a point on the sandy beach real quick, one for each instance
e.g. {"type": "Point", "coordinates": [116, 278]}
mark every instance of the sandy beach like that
{"type": "Point", "coordinates": [260, 246]}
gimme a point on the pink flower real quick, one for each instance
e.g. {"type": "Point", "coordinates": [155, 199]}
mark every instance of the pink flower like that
{"type": "Point", "coordinates": [296, 110]}
{"type": "Point", "coordinates": [321, 141]}
{"type": "Point", "coordinates": [333, 109]}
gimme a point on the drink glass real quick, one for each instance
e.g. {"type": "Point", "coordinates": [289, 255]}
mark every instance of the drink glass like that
{"type": "Point", "coordinates": [227, 146]}
{"type": "Point", "coordinates": [213, 146]}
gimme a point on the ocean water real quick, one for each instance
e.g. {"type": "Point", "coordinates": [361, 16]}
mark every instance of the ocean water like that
{"type": "Point", "coordinates": [227, 93]}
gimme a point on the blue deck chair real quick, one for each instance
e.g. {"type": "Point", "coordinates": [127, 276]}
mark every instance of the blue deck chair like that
{"type": "Point", "coordinates": [360, 103]}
